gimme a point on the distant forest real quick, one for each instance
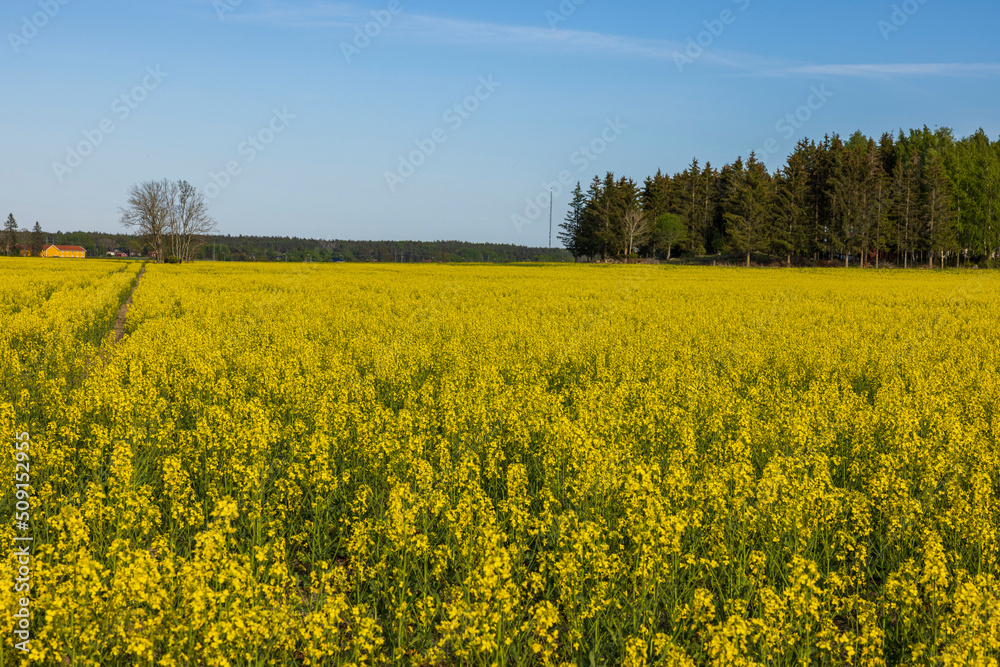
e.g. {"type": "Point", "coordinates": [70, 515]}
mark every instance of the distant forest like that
{"type": "Point", "coordinates": [250, 248]}
{"type": "Point", "coordinates": [264, 249]}
{"type": "Point", "coordinates": [922, 198]}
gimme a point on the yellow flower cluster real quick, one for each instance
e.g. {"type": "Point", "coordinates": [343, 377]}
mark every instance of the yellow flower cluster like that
{"type": "Point", "coordinates": [551, 465]}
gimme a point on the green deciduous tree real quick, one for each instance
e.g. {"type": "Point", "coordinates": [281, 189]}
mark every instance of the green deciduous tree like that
{"type": "Point", "coordinates": [671, 232]}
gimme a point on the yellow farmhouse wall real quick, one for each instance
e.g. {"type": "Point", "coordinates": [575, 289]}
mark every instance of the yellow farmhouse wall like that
{"type": "Point", "coordinates": [55, 252]}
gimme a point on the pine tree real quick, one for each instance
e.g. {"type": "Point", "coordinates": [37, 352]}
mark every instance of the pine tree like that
{"type": "Point", "coordinates": [37, 240]}
{"type": "Point", "coordinates": [10, 235]}
{"type": "Point", "coordinates": [687, 183]}
{"type": "Point", "coordinates": [590, 243]}
{"type": "Point", "coordinates": [823, 160]}
{"type": "Point", "coordinates": [857, 186]}
{"type": "Point", "coordinates": [572, 235]}
{"type": "Point", "coordinates": [709, 204]}
{"type": "Point", "coordinates": [937, 211]}
{"type": "Point", "coordinates": [866, 197]}
{"type": "Point", "coordinates": [656, 196]}
{"type": "Point", "coordinates": [619, 230]}
{"type": "Point", "coordinates": [792, 206]}
{"type": "Point", "coordinates": [849, 181]}
{"type": "Point", "coordinates": [747, 208]}
{"type": "Point", "coordinates": [697, 204]}
{"type": "Point", "coordinates": [905, 204]}
{"type": "Point", "coordinates": [879, 192]}
{"type": "Point", "coordinates": [692, 211]}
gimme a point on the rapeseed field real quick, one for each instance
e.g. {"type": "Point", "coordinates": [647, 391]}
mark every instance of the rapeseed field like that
{"type": "Point", "coordinates": [479, 465]}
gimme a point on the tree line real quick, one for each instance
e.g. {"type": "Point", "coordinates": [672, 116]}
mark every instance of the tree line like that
{"type": "Point", "coordinates": [172, 217]}
{"type": "Point", "coordinates": [16, 241]}
{"type": "Point", "coordinates": [919, 198]}
{"type": "Point", "coordinates": [294, 249]}
{"type": "Point", "coordinates": [170, 220]}
{"type": "Point", "coordinates": [270, 248]}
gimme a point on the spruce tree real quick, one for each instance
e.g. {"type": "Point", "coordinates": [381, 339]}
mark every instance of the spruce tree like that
{"type": "Point", "coordinates": [856, 188]}
{"type": "Point", "coordinates": [37, 240]}
{"type": "Point", "coordinates": [937, 211]}
{"type": "Point", "coordinates": [792, 211]}
{"type": "Point", "coordinates": [656, 195]}
{"type": "Point", "coordinates": [593, 219]}
{"type": "Point", "coordinates": [618, 227]}
{"type": "Point", "coordinates": [10, 235]}
{"type": "Point", "coordinates": [823, 160]}
{"type": "Point", "coordinates": [905, 204]}
{"type": "Point", "coordinates": [693, 199]}
{"type": "Point", "coordinates": [879, 191]}
{"type": "Point", "coordinates": [748, 208]}
{"type": "Point", "coordinates": [703, 226]}
{"type": "Point", "coordinates": [572, 235]}
{"type": "Point", "coordinates": [878, 198]}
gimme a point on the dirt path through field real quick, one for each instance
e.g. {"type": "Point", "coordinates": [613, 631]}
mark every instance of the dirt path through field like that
{"type": "Point", "coordinates": [123, 311]}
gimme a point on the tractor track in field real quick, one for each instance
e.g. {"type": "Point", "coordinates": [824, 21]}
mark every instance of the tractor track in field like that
{"type": "Point", "coordinates": [123, 311]}
{"type": "Point", "coordinates": [102, 354]}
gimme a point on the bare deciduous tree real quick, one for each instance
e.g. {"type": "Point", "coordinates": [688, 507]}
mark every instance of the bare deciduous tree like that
{"type": "Point", "coordinates": [635, 228]}
{"type": "Point", "coordinates": [148, 211]}
{"type": "Point", "coordinates": [172, 215]}
{"type": "Point", "coordinates": [189, 220]}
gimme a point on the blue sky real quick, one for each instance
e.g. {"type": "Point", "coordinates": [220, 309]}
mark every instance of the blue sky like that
{"type": "Point", "coordinates": [288, 132]}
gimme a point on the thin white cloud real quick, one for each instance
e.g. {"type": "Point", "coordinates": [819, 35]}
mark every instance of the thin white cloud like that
{"type": "Point", "coordinates": [473, 33]}
{"type": "Point", "coordinates": [456, 31]}
{"type": "Point", "coordinates": [460, 32]}
{"type": "Point", "coordinates": [899, 70]}
{"type": "Point", "coordinates": [304, 15]}
{"type": "Point", "coordinates": [440, 30]}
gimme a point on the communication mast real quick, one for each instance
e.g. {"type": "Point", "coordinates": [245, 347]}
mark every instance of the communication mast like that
{"type": "Point", "coordinates": [550, 218]}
